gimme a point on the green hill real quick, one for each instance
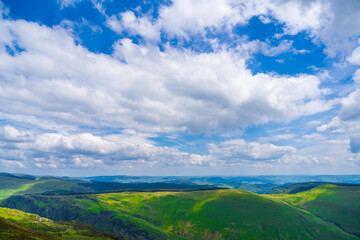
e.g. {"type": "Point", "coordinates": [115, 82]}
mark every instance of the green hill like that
{"type": "Point", "coordinates": [339, 204]}
{"type": "Point", "coordinates": [15, 224]}
{"type": "Point", "coordinates": [217, 214]}
{"type": "Point", "coordinates": [11, 184]}
{"type": "Point", "coordinates": [19, 186]}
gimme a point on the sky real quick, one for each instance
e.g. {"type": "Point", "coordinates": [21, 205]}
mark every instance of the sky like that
{"type": "Point", "coordinates": [180, 87]}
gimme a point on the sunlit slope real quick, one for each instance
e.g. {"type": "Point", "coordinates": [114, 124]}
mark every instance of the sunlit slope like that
{"type": "Point", "coordinates": [219, 214]}
{"type": "Point", "coordinates": [339, 204]}
{"type": "Point", "coordinates": [17, 186]}
{"type": "Point", "coordinates": [15, 224]}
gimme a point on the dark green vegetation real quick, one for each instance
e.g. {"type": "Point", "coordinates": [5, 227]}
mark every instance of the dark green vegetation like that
{"type": "Point", "coordinates": [217, 214]}
{"type": "Point", "coordinates": [339, 204]}
{"type": "Point", "coordinates": [15, 224]}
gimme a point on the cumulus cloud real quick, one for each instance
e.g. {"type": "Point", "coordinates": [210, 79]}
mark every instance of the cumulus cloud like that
{"type": "Point", "coordinates": [10, 133]}
{"type": "Point", "coordinates": [137, 26]}
{"type": "Point", "coordinates": [88, 150]}
{"type": "Point", "coordinates": [141, 87]}
{"type": "Point", "coordinates": [333, 23]}
{"type": "Point", "coordinates": [239, 149]}
{"type": "Point", "coordinates": [185, 17]}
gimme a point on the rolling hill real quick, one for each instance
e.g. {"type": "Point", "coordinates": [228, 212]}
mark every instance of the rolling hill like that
{"type": "Point", "coordinates": [11, 184]}
{"type": "Point", "coordinates": [15, 224]}
{"type": "Point", "coordinates": [216, 214]}
{"type": "Point", "coordinates": [336, 203]}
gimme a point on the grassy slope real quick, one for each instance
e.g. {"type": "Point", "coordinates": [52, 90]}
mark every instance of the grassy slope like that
{"type": "Point", "coordinates": [220, 214]}
{"type": "Point", "coordinates": [225, 214]}
{"type": "Point", "coordinates": [15, 224]}
{"type": "Point", "coordinates": [10, 186]}
{"type": "Point", "coordinates": [337, 204]}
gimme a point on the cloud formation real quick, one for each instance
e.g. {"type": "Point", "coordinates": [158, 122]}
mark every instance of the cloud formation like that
{"type": "Point", "coordinates": [239, 149]}
{"type": "Point", "coordinates": [176, 71]}
{"type": "Point", "coordinates": [325, 21]}
{"type": "Point", "coordinates": [86, 150]}
{"type": "Point", "coordinates": [141, 87]}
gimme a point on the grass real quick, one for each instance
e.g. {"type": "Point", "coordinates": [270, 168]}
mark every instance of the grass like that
{"type": "Point", "coordinates": [334, 203]}
{"type": "Point", "coordinates": [15, 224]}
{"type": "Point", "coordinates": [217, 214]}
{"type": "Point", "coordinates": [17, 186]}
{"type": "Point", "coordinates": [223, 214]}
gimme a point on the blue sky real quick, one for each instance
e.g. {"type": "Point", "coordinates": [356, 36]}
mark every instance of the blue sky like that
{"type": "Point", "coordinates": [181, 87]}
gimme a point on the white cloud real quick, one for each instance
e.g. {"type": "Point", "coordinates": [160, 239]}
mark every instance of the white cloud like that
{"type": "Point", "coordinates": [266, 48]}
{"type": "Point", "coordinates": [350, 107]}
{"type": "Point", "coordinates": [299, 15]}
{"type": "Point", "coordinates": [87, 150]}
{"type": "Point", "coordinates": [185, 16]}
{"type": "Point", "coordinates": [170, 90]}
{"type": "Point", "coordinates": [334, 126]}
{"type": "Point", "coordinates": [67, 3]}
{"type": "Point", "coordinates": [240, 149]}
{"type": "Point", "coordinates": [10, 133]}
{"type": "Point", "coordinates": [354, 58]}
{"type": "Point", "coordinates": [333, 23]}
{"type": "Point", "coordinates": [136, 25]}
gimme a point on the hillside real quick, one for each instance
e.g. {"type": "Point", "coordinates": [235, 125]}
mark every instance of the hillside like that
{"type": "Point", "coordinates": [335, 203]}
{"type": "Point", "coordinates": [15, 224]}
{"type": "Point", "coordinates": [18, 186]}
{"type": "Point", "coordinates": [217, 214]}
{"type": "Point", "coordinates": [11, 185]}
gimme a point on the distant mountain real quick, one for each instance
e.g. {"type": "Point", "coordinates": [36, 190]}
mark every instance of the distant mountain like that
{"type": "Point", "coordinates": [278, 180]}
{"type": "Point", "coordinates": [256, 184]}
